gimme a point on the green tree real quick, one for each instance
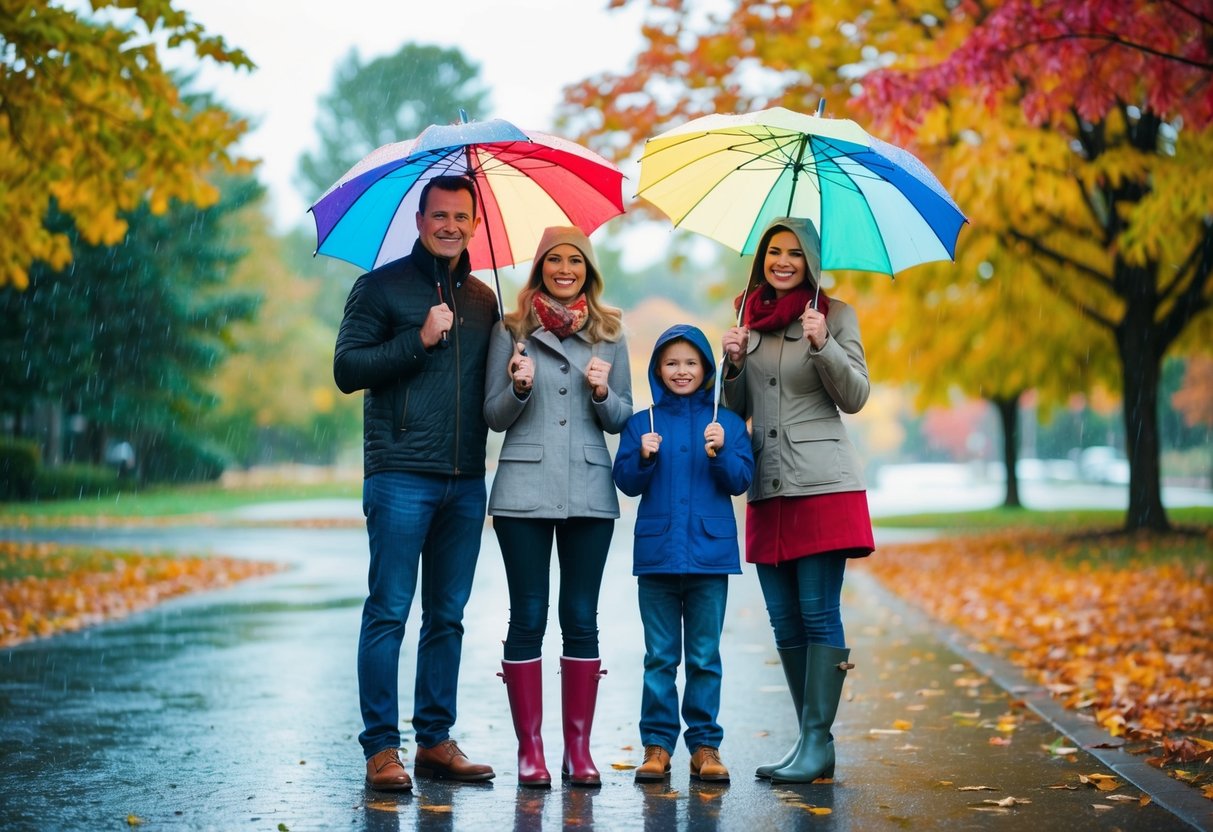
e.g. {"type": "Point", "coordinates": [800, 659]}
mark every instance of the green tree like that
{"type": "Point", "coordinates": [276, 396]}
{"type": "Point", "coordinates": [389, 99]}
{"type": "Point", "coordinates": [127, 335]}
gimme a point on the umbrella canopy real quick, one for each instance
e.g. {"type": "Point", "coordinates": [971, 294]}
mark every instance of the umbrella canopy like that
{"type": "Point", "coordinates": [525, 180]}
{"type": "Point", "coordinates": [876, 207]}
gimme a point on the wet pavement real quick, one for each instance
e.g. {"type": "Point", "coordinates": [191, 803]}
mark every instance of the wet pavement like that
{"type": "Point", "coordinates": [237, 709]}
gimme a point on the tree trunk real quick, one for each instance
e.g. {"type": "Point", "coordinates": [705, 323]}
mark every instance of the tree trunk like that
{"type": "Point", "coordinates": [1141, 362]}
{"type": "Point", "coordinates": [1008, 413]}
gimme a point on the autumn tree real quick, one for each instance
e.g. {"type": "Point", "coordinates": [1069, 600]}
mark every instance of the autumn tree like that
{"type": "Point", "coordinates": [389, 99]}
{"type": "Point", "coordinates": [1121, 92]}
{"type": "Point", "coordinates": [1100, 180]}
{"type": "Point", "coordinates": [89, 118]}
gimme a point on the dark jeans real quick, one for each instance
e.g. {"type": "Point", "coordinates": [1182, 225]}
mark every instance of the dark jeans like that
{"type": "Point", "coordinates": [682, 612]}
{"type": "Point", "coordinates": [804, 600]}
{"type": "Point", "coordinates": [432, 525]}
{"type": "Point", "coordinates": [526, 549]}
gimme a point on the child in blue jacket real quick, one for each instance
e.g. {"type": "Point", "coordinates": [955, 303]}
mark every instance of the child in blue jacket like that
{"type": "Point", "coordinates": [686, 466]}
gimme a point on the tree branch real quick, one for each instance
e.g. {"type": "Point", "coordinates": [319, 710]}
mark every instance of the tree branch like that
{"type": "Point", "coordinates": [1190, 12]}
{"type": "Point", "coordinates": [1060, 288]}
{"type": "Point", "coordinates": [1192, 300]}
{"type": "Point", "coordinates": [1119, 41]}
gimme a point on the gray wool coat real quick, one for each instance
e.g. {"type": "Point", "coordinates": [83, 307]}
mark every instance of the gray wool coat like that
{"type": "Point", "coordinates": [792, 395]}
{"type": "Point", "coordinates": [554, 463]}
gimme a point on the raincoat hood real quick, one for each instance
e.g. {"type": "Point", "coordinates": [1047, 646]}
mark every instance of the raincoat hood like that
{"type": "Point", "coordinates": [693, 335]}
{"type": "Point", "coordinates": [810, 243]}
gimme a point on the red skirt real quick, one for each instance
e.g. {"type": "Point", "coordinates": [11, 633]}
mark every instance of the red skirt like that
{"type": "Point", "coordinates": [786, 528]}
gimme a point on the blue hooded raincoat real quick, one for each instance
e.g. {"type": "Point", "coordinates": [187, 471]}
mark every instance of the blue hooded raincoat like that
{"type": "Point", "coordinates": [685, 523]}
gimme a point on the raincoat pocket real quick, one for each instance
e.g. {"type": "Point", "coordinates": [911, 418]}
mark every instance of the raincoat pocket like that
{"type": "Point", "coordinates": [816, 452]}
{"type": "Point", "coordinates": [719, 527]}
{"type": "Point", "coordinates": [650, 535]}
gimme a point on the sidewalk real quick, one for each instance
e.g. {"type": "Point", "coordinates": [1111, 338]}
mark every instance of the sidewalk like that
{"type": "Point", "coordinates": [238, 710]}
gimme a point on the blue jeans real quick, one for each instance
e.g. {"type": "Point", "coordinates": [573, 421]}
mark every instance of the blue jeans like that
{"type": "Point", "coordinates": [679, 610]}
{"type": "Point", "coordinates": [804, 600]}
{"type": "Point", "coordinates": [526, 550]}
{"type": "Point", "coordinates": [416, 523]}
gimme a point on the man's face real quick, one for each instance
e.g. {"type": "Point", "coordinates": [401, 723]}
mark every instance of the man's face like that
{"type": "Point", "coordinates": [447, 226]}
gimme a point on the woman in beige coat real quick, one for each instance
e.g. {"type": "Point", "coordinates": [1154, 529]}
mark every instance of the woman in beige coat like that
{"type": "Point", "coordinates": [558, 380]}
{"type": "Point", "coordinates": [793, 365]}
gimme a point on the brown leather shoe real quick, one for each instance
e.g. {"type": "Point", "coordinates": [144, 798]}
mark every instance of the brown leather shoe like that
{"type": "Point", "coordinates": [656, 765]}
{"type": "Point", "coordinates": [446, 762]}
{"type": "Point", "coordinates": [706, 765]}
{"type": "Point", "coordinates": [385, 772]}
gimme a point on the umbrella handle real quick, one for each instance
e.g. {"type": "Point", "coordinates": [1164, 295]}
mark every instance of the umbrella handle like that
{"type": "Point", "coordinates": [443, 342]}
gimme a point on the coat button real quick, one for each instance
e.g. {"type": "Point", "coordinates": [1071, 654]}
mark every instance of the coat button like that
{"type": "Point", "coordinates": [774, 483]}
{"type": "Point", "coordinates": [772, 382]}
{"type": "Point", "coordinates": [772, 433]}
{"type": "Point", "coordinates": [564, 368]}
{"type": "Point", "coordinates": [563, 390]}
{"type": "Point", "coordinates": [564, 421]}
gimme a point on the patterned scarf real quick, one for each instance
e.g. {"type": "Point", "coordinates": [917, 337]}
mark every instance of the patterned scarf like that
{"type": "Point", "coordinates": [767, 313]}
{"type": "Point", "coordinates": [557, 318]}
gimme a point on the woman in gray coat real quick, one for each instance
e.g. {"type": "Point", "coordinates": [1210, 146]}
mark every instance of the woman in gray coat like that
{"type": "Point", "coordinates": [794, 365]}
{"type": "Point", "coordinates": [558, 379]}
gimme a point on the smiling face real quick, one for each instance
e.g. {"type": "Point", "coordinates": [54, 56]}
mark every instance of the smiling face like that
{"type": "Point", "coordinates": [681, 368]}
{"type": "Point", "coordinates": [447, 226]}
{"type": "Point", "coordinates": [784, 266]}
{"type": "Point", "coordinates": [564, 272]}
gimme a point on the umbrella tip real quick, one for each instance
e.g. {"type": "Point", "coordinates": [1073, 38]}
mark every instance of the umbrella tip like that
{"type": "Point", "coordinates": [821, 106]}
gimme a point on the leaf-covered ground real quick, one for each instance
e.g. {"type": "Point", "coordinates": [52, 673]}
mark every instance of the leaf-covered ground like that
{"type": "Point", "coordinates": [46, 588]}
{"type": "Point", "coordinates": [1118, 628]}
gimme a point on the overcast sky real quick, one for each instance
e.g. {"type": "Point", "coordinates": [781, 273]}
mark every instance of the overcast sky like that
{"type": "Point", "coordinates": [528, 50]}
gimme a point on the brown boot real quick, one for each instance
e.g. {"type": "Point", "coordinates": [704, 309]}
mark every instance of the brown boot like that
{"type": "Point", "coordinates": [706, 765]}
{"type": "Point", "coordinates": [386, 773]}
{"type": "Point", "coordinates": [446, 762]}
{"type": "Point", "coordinates": [656, 765]}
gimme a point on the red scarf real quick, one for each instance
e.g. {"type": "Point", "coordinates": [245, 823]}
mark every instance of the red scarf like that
{"type": "Point", "coordinates": [557, 318]}
{"type": "Point", "coordinates": [767, 313]}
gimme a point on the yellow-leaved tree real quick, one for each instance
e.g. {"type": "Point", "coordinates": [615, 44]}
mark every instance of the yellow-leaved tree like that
{"type": "Point", "coordinates": [1087, 157]}
{"type": "Point", "coordinates": [90, 118]}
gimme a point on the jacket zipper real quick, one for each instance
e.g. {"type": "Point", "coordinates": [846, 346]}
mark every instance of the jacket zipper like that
{"type": "Point", "coordinates": [458, 366]}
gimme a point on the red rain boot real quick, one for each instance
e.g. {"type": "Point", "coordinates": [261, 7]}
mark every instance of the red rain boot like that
{"type": "Point", "coordinates": [524, 686]}
{"type": "Point", "coordinates": [579, 692]}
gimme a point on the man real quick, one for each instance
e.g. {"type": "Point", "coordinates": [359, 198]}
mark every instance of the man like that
{"type": "Point", "coordinates": [414, 337]}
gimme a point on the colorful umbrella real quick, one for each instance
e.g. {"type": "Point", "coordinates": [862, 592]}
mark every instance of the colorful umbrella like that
{"type": "Point", "coordinates": [526, 181]}
{"type": "Point", "coordinates": [876, 207]}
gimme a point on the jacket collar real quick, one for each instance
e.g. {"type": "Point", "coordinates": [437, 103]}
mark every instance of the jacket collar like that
{"type": "Point", "coordinates": [429, 264]}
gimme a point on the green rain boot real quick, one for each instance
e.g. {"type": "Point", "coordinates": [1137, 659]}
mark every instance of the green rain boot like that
{"type": "Point", "coordinates": [814, 757]}
{"type": "Point", "coordinates": [793, 660]}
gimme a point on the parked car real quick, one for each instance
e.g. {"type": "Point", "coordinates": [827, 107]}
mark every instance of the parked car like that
{"type": "Point", "coordinates": [1103, 464]}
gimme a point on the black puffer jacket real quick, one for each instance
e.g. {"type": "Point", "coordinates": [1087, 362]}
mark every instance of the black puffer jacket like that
{"type": "Point", "coordinates": [423, 410]}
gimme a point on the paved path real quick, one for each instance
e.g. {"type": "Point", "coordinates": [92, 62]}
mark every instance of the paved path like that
{"type": "Point", "coordinates": [238, 710]}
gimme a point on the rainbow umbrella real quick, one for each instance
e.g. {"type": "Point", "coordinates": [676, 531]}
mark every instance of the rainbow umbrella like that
{"type": "Point", "coordinates": [876, 207]}
{"type": "Point", "coordinates": [525, 181]}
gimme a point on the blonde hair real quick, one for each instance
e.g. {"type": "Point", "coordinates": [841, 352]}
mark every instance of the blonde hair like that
{"type": "Point", "coordinates": [604, 323]}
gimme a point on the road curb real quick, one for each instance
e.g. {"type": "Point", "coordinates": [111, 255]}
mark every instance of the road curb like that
{"type": "Point", "coordinates": [1179, 799]}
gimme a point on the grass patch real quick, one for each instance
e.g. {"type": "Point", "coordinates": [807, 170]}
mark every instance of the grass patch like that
{"type": "Point", "coordinates": [178, 501]}
{"type": "Point", "coordinates": [1025, 518]}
